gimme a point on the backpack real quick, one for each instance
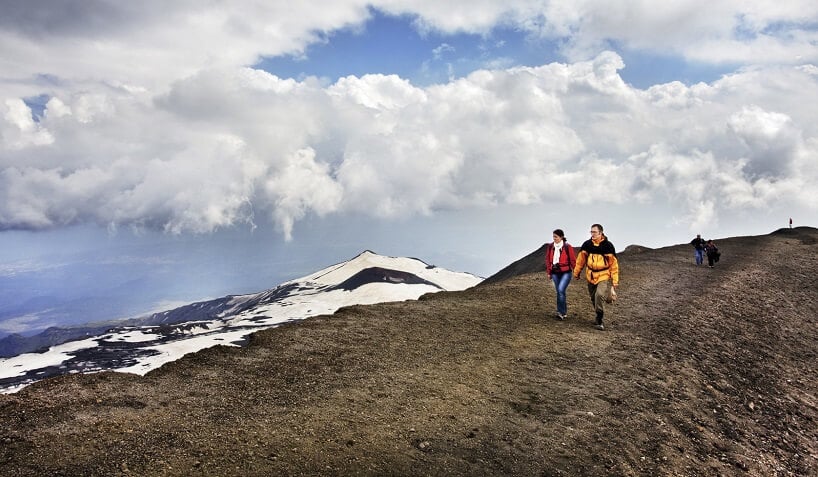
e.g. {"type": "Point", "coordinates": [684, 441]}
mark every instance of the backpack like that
{"type": "Point", "coordinates": [713, 252]}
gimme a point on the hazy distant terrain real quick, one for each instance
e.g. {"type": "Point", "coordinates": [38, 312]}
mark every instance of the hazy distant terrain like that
{"type": "Point", "coordinates": [141, 345]}
{"type": "Point", "coordinates": [701, 372]}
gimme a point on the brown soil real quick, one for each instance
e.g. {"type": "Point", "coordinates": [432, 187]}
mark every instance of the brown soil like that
{"type": "Point", "coordinates": [701, 372]}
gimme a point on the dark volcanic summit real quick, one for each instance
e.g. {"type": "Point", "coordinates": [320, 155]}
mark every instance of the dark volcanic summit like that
{"type": "Point", "coordinates": [380, 274]}
{"type": "Point", "coordinates": [701, 372]}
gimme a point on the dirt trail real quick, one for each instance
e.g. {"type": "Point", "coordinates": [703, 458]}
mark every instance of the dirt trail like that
{"type": "Point", "coordinates": [701, 372]}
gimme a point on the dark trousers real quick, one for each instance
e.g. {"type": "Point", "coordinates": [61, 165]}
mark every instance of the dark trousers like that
{"type": "Point", "coordinates": [599, 293]}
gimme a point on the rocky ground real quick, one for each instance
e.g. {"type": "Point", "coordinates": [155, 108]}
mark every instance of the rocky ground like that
{"type": "Point", "coordinates": [701, 372]}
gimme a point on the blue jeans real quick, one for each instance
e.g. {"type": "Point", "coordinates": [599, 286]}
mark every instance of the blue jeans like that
{"type": "Point", "coordinates": [699, 256]}
{"type": "Point", "coordinates": [561, 281]}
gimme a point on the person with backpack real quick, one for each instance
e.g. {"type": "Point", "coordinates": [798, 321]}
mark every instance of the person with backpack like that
{"type": "Point", "coordinates": [698, 244]}
{"type": "Point", "coordinates": [560, 259]}
{"type": "Point", "coordinates": [598, 256]}
{"type": "Point", "coordinates": [712, 252]}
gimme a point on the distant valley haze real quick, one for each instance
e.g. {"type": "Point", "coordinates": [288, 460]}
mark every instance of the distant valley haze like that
{"type": "Point", "coordinates": [146, 343]}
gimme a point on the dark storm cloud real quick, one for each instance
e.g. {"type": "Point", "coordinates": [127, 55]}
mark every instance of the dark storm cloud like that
{"type": "Point", "coordinates": [76, 18]}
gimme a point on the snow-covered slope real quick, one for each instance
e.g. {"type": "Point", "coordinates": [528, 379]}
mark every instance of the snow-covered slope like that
{"type": "Point", "coordinates": [368, 278]}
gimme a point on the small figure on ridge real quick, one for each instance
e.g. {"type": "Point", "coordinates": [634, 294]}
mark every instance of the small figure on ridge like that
{"type": "Point", "coordinates": [698, 244]}
{"type": "Point", "coordinates": [713, 253]}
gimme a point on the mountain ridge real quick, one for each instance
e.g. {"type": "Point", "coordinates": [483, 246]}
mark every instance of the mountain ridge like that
{"type": "Point", "coordinates": [700, 372]}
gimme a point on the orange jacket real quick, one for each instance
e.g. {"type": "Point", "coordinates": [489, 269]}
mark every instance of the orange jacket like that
{"type": "Point", "coordinates": [600, 257]}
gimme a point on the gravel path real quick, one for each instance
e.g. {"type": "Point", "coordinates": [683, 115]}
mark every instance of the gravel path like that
{"type": "Point", "coordinates": [700, 372]}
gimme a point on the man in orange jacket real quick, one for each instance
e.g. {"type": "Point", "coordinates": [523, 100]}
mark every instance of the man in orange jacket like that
{"type": "Point", "coordinates": [598, 255]}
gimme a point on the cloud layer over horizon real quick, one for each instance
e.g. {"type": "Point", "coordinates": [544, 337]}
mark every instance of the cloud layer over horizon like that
{"type": "Point", "coordinates": [154, 116]}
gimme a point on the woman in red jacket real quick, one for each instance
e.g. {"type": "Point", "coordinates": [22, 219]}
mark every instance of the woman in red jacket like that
{"type": "Point", "coordinates": [560, 260]}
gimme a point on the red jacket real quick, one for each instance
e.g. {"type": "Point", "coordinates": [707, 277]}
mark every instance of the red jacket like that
{"type": "Point", "coordinates": [568, 258]}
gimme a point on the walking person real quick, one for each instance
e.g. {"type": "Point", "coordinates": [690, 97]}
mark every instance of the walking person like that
{"type": "Point", "coordinates": [698, 243]}
{"type": "Point", "coordinates": [712, 252]}
{"type": "Point", "coordinates": [598, 256]}
{"type": "Point", "coordinates": [560, 259]}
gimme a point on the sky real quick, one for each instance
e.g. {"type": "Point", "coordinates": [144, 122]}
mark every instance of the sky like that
{"type": "Point", "coordinates": [155, 154]}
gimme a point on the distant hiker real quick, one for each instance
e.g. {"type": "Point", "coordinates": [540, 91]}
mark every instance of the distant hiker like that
{"type": "Point", "coordinates": [698, 243]}
{"type": "Point", "coordinates": [790, 222]}
{"type": "Point", "coordinates": [560, 260]}
{"type": "Point", "coordinates": [602, 271]}
{"type": "Point", "coordinates": [713, 253]}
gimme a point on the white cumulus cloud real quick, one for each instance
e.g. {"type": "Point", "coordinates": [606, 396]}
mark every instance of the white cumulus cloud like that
{"type": "Point", "coordinates": [156, 118]}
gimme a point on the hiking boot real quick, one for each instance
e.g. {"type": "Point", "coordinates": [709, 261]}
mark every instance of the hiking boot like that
{"type": "Point", "coordinates": [559, 317]}
{"type": "Point", "coordinates": [599, 326]}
